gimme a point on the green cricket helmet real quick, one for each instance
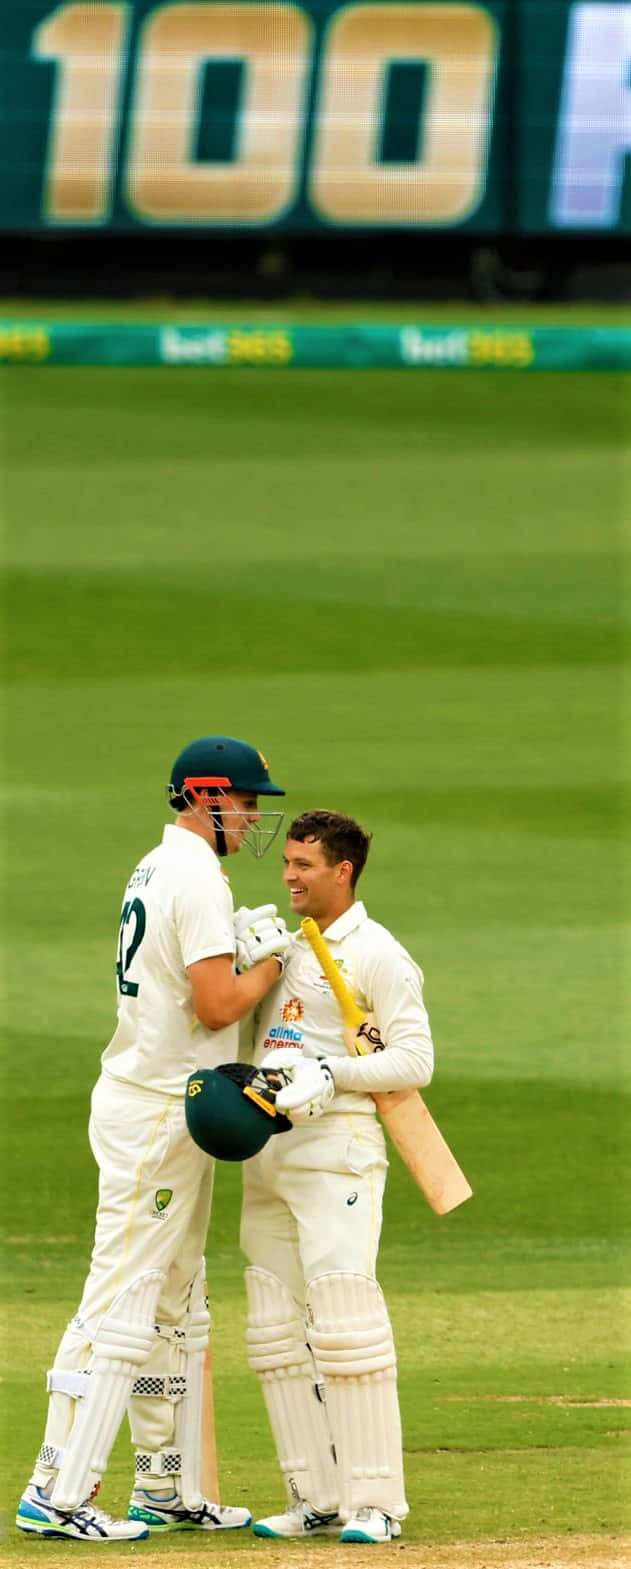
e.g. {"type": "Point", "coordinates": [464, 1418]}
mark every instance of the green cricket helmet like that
{"type": "Point", "coordinates": [205, 772]}
{"type": "Point", "coordinates": [231, 1112]}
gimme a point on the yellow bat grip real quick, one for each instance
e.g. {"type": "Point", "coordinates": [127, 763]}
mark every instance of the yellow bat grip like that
{"type": "Point", "coordinates": [352, 1014]}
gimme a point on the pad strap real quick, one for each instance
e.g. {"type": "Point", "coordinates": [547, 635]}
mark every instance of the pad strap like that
{"type": "Point", "coordinates": [163, 1462]}
{"type": "Point", "coordinates": [172, 1332]}
{"type": "Point", "coordinates": [170, 1386]}
{"type": "Point", "coordinates": [63, 1381]}
{"type": "Point", "coordinates": [50, 1455]}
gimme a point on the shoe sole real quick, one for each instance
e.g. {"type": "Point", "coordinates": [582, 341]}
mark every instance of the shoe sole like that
{"type": "Point", "coordinates": [362, 1536]}
{"type": "Point", "coordinates": [159, 1529]}
{"type": "Point", "coordinates": [294, 1536]}
{"type": "Point", "coordinates": [32, 1529]}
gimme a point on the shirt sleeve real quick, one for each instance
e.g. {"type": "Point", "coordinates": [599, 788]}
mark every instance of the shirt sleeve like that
{"type": "Point", "coordinates": [393, 987]}
{"type": "Point", "coordinates": [204, 919]}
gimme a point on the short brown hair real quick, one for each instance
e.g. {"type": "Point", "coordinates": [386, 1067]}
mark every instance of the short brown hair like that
{"type": "Point", "coordinates": [342, 839]}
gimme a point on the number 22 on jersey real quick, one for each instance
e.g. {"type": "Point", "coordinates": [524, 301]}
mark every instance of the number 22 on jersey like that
{"type": "Point", "coordinates": [129, 941]}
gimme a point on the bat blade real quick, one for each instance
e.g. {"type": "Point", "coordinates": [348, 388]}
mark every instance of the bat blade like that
{"type": "Point", "coordinates": [411, 1126]}
{"type": "Point", "coordinates": [422, 1147]}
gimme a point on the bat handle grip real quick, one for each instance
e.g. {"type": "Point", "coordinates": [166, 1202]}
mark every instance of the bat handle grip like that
{"type": "Point", "coordinates": [352, 1014]}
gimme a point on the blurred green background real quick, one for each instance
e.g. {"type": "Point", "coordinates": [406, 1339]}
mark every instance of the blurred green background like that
{"type": "Point", "coordinates": [408, 591]}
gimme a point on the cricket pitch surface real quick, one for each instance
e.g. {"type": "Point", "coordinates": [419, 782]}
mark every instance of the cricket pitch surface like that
{"type": "Point", "coordinates": [547, 1552]}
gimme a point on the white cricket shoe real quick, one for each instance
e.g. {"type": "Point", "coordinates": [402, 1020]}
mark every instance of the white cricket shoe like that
{"type": "Point", "coordinates": [170, 1514]}
{"type": "Point", "coordinates": [370, 1525]}
{"type": "Point", "coordinates": [37, 1515]}
{"type": "Point", "coordinates": [302, 1520]}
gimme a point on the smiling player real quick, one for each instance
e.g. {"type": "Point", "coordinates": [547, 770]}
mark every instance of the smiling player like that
{"type": "Point", "coordinates": [312, 1208]}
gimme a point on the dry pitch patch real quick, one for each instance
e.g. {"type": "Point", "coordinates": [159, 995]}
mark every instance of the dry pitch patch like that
{"type": "Point", "coordinates": [546, 1552]}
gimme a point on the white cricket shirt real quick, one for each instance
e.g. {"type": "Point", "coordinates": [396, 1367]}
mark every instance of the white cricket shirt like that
{"type": "Point", "coordinates": [301, 1010]}
{"type": "Point", "coordinates": [177, 908]}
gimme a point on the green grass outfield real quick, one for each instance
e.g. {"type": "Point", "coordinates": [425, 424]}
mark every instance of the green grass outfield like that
{"type": "Point", "coordinates": [408, 591]}
{"type": "Point", "coordinates": [160, 308]}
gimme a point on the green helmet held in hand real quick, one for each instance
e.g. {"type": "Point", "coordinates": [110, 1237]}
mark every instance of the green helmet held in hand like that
{"type": "Point", "coordinates": [231, 1111]}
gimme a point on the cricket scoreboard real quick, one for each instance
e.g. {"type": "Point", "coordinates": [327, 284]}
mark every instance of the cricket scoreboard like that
{"type": "Point", "coordinates": [509, 116]}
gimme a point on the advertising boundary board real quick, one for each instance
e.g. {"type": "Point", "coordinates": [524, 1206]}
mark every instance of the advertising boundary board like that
{"type": "Point", "coordinates": [411, 346]}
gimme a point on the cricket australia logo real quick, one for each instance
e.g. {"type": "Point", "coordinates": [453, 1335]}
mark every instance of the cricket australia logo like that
{"type": "Point", "coordinates": [162, 1201]}
{"type": "Point", "coordinates": [321, 981]}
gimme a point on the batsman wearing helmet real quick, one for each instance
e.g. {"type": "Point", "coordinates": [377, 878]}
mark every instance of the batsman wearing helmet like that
{"type": "Point", "coordinates": [139, 1337]}
{"type": "Point", "coordinates": [319, 1334]}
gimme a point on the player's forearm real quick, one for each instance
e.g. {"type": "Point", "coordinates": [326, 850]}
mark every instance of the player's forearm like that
{"type": "Point", "coordinates": [396, 1068]}
{"type": "Point", "coordinates": [217, 1006]}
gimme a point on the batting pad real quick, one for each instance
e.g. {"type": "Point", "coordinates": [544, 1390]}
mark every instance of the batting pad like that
{"type": "Point", "coordinates": [188, 1413]}
{"type": "Point", "coordinates": [122, 1342]}
{"type": "Point", "coordinates": [352, 1342]}
{"type": "Point", "coordinates": [166, 1405]}
{"type": "Point", "coordinates": [279, 1354]}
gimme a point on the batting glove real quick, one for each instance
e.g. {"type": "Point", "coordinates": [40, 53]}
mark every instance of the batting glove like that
{"type": "Point", "coordinates": [309, 1094]}
{"type": "Point", "coordinates": [243, 917]}
{"type": "Point", "coordinates": [259, 934]}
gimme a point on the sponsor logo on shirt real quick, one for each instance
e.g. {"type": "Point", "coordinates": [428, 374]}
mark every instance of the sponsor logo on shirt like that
{"type": "Point", "coordinates": [292, 1011]}
{"type": "Point", "coordinates": [282, 1035]}
{"type": "Point", "coordinates": [320, 982]}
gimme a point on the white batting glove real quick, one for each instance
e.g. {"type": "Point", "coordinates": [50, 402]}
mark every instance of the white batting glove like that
{"type": "Point", "coordinates": [259, 935]}
{"type": "Point", "coordinates": [310, 1092]}
{"type": "Point", "coordinates": [243, 917]}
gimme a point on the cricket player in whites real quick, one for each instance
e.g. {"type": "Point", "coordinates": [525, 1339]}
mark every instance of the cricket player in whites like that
{"type": "Point", "coordinates": [140, 1334]}
{"type": "Point", "coordinates": [319, 1334]}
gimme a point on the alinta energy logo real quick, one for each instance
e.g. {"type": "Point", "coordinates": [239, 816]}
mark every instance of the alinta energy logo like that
{"type": "Point", "coordinates": [162, 1201]}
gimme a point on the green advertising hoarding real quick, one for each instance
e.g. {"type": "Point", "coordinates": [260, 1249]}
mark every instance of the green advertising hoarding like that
{"type": "Point", "coordinates": [361, 346]}
{"type": "Point", "coordinates": [507, 115]}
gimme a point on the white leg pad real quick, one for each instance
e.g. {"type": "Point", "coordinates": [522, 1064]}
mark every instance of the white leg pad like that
{"type": "Point", "coordinates": [188, 1412]}
{"type": "Point", "coordinates": [351, 1336]}
{"type": "Point", "coordinates": [166, 1403]}
{"type": "Point", "coordinates": [278, 1352]}
{"type": "Point", "coordinates": [121, 1344]}
{"type": "Point", "coordinates": [66, 1382]}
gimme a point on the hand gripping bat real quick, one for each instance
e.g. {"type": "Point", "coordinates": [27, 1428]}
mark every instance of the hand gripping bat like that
{"type": "Point", "coordinates": [405, 1115]}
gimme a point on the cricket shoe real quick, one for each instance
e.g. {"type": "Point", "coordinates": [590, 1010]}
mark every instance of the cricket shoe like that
{"type": "Point", "coordinates": [87, 1524]}
{"type": "Point", "coordinates": [170, 1514]}
{"type": "Point", "coordinates": [302, 1520]}
{"type": "Point", "coordinates": [370, 1525]}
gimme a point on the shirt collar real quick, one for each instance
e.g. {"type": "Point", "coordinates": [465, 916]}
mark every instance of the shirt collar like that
{"type": "Point", "coordinates": [347, 922]}
{"type": "Point", "coordinates": [188, 843]}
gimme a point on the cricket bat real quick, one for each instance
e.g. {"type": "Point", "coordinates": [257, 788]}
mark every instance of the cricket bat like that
{"type": "Point", "coordinates": [209, 1477]}
{"type": "Point", "coordinates": [405, 1115]}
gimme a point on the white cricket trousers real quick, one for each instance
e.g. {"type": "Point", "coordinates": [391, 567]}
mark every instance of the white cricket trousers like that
{"type": "Point", "coordinates": [155, 1192]}
{"type": "Point", "coordinates": [312, 1214]}
{"type": "Point", "coordinates": [313, 1200]}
